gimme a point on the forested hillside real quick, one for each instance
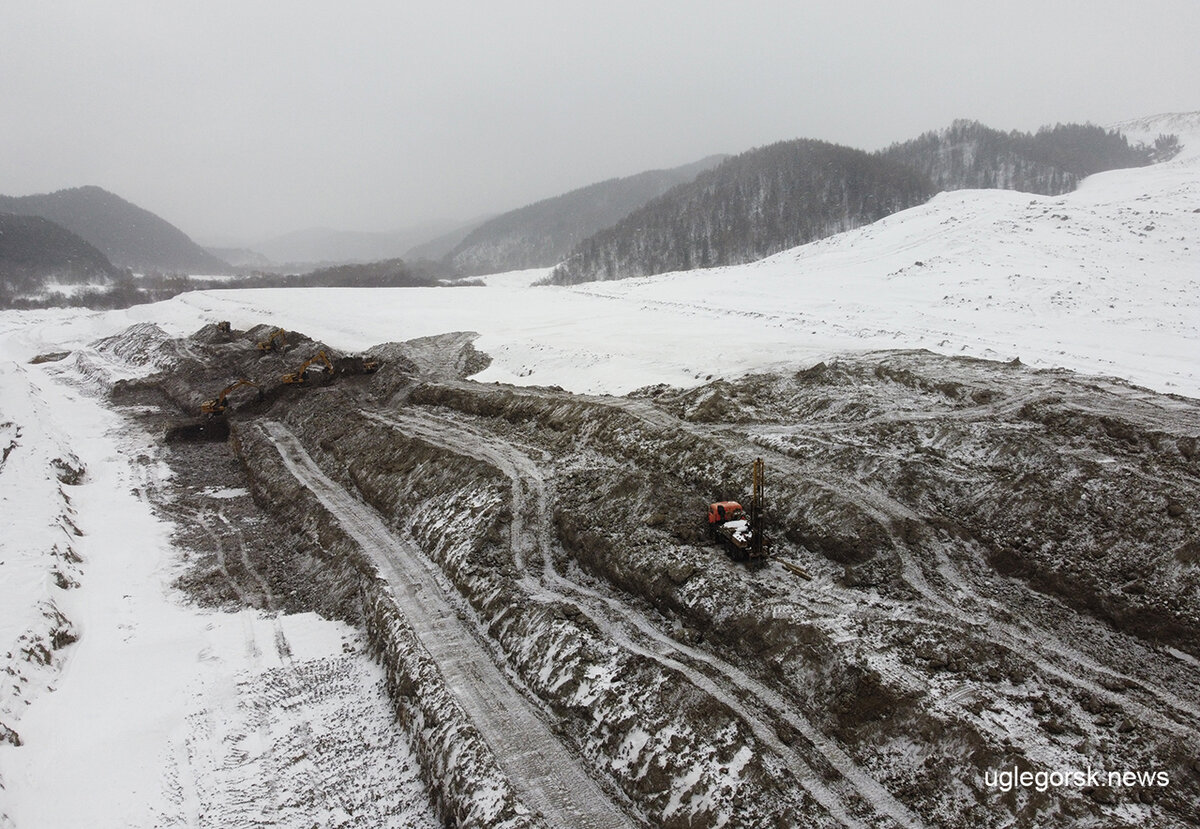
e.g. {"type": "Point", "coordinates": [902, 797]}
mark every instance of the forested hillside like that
{"type": "Point", "coordinates": [542, 233]}
{"type": "Point", "coordinates": [1051, 161]}
{"type": "Point", "coordinates": [34, 251]}
{"type": "Point", "coordinates": [750, 206]}
{"type": "Point", "coordinates": [130, 236]}
{"type": "Point", "coordinates": [791, 193]}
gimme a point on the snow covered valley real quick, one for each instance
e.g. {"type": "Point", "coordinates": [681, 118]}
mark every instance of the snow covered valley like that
{"type": "Point", "coordinates": [474, 586]}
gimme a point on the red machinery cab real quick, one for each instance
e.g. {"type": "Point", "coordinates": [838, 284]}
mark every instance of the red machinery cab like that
{"type": "Point", "coordinates": [723, 511]}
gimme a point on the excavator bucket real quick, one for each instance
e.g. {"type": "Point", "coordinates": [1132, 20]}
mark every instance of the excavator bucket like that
{"type": "Point", "coordinates": [276, 342]}
{"type": "Point", "coordinates": [302, 376]}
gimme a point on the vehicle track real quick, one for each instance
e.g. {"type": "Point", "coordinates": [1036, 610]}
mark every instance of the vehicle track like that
{"type": "Point", "coordinates": [546, 775]}
{"type": "Point", "coordinates": [959, 601]}
{"type": "Point", "coordinates": [1035, 642]}
{"type": "Point", "coordinates": [624, 624]}
{"type": "Point", "coordinates": [223, 539]}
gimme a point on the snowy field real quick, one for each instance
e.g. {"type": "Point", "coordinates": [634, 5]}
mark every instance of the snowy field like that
{"type": "Point", "coordinates": [1105, 281]}
{"type": "Point", "coordinates": [159, 707]}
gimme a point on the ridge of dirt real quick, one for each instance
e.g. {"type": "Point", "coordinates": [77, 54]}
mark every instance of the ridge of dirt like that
{"type": "Point", "coordinates": [1003, 567]}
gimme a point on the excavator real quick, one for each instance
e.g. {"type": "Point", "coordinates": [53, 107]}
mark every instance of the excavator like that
{"type": "Point", "coordinates": [301, 376]}
{"type": "Point", "coordinates": [217, 405]}
{"type": "Point", "coordinates": [270, 344]}
{"type": "Point", "coordinates": [739, 532]}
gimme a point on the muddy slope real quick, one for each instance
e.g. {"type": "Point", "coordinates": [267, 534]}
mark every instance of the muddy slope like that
{"type": "Point", "coordinates": [1003, 567]}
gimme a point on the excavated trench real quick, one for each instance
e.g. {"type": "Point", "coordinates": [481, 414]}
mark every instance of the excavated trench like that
{"type": "Point", "coordinates": [1004, 566]}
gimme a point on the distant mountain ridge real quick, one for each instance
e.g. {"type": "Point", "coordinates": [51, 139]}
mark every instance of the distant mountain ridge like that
{"type": "Point", "coordinates": [438, 248]}
{"type": "Point", "coordinates": [543, 233]}
{"type": "Point", "coordinates": [752, 205]}
{"type": "Point", "coordinates": [130, 236]}
{"type": "Point", "coordinates": [35, 251]}
{"type": "Point", "coordinates": [773, 198]}
{"type": "Point", "coordinates": [239, 257]}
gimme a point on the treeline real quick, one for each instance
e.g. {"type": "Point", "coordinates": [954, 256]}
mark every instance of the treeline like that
{"type": "Point", "coordinates": [787, 194]}
{"type": "Point", "coordinates": [126, 290]}
{"type": "Point", "coordinates": [751, 206]}
{"type": "Point", "coordinates": [386, 273]}
{"type": "Point", "coordinates": [123, 291]}
{"type": "Point", "coordinates": [1050, 162]}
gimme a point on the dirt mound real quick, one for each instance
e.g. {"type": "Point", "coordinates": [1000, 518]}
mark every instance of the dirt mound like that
{"type": "Point", "coordinates": [182, 374]}
{"type": "Point", "coordinates": [1003, 570]}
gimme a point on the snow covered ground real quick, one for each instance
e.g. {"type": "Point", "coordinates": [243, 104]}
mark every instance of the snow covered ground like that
{"type": "Point", "coordinates": [1105, 280]}
{"type": "Point", "coordinates": [133, 708]}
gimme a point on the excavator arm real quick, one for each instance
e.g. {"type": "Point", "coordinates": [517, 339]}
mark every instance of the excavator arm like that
{"type": "Point", "coordinates": [300, 375]}
{"type": "Point", "coordinates": [217, 405]}
{"type": "Point", "coordinates": [270, 344]}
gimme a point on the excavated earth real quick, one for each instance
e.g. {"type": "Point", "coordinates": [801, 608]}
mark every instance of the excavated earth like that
{"type": "Point", "coordinates": [974, 567]}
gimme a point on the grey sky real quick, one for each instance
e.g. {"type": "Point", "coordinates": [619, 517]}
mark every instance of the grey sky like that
{"type": "Point", "coordinates": [246, 119]}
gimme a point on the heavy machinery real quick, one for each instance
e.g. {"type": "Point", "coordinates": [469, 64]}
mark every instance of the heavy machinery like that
{"type": "Point", "coordinates": [217, 405]}
{"type": "Point", "coordinates": [301, 375]}
{"type": "Point", "coordinates": [276, 342]}
{"type": "Point", "coordinates": [741, 533]}
{"type": "Point", "coordinates": [352, 364]}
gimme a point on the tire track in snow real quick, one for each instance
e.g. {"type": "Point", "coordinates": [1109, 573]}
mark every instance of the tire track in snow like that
{"type": "Point", "coordinates": [1033, 642]}
{"type": "Point", "coordinates": [282, 647]}
{"type": "Point", "coordinates": [547, 776]}
{"type": "Point", "coordinates": [1036, 643]}
{"type": "Point", "coordinates": [724, 682]}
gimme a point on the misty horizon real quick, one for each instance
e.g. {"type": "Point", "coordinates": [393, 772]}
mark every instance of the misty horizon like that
{"type": "Point", "coordinates": [240, 124]}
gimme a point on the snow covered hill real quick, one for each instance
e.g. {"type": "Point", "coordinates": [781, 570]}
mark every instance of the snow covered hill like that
{"type": "Point", "coordinates": [1103, 280]}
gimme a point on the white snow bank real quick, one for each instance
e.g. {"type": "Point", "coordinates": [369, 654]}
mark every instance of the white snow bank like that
{"type": "Point", "coordinates": [39, 546]}
{"type": "Point", "coordinates": [164, 714]}
{"type": "Point", "coordinates": [1185, 125]}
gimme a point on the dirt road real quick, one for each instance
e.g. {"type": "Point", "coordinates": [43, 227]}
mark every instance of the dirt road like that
{"type": "Point", "coordinates": [548, 776]}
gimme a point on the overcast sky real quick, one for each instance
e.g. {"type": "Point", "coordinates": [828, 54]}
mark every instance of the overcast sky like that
{"type": "Point", "coordinates": [248, 119]}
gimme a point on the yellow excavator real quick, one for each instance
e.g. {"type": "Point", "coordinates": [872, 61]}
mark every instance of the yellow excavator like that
{"type": "Point", "coordinates": [301, 375]}
{"type": "Point", "coordinates": [271, 344]}
{"type": "Point", "coordinates": [217, 405]}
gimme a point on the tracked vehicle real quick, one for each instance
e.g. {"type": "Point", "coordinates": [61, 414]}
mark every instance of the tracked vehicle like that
{"type": "Point", "coordinates": [741, 533]}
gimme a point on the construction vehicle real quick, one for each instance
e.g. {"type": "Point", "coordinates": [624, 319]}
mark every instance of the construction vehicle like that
{"type": "Point", "coordinates": [740, 532]}
{"type": "Point", "coordinates": [276, 342]}
{"type": "Point", "coordinates": [352, 364]}
{"type": "Point", "coordinates": [217, 405]}
{"type": "Point", "coordinates": [301, 375]}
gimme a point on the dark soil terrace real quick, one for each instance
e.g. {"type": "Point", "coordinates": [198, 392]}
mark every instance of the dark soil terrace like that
{"type": "Point", "coordinates": [1005, 567]}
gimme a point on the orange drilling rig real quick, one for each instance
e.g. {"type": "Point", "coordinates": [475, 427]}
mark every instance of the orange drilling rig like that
{"type": "Point", "coordinates": [740, 532]}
